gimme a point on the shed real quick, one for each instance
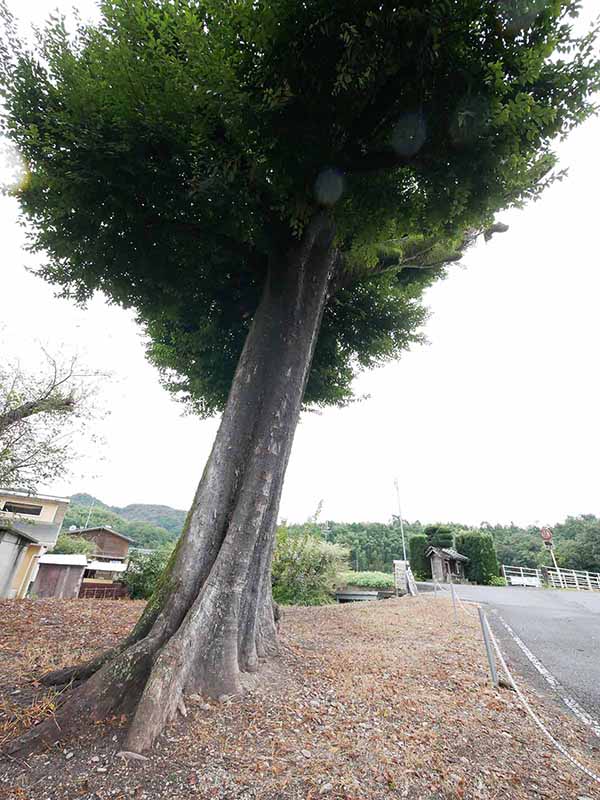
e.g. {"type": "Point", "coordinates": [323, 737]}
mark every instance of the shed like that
{"type": "Point", "coordinates": [446, 564]}
{"type": "Point", "coordinates": [59, 575]}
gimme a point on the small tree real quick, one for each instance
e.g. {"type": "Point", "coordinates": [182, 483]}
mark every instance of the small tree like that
{"type": "Point", "coordinates": [144, 571]}
{"type": "Point", "coordinates": [419, 563]}
{"type": "Point", "coordinates": [73, 544]}
{"type": "Point", "coordinates": [305, 568]}
{"type": "Point", "coordinates": [479, 548]}
{"type": "Point", "coordinates": [41, 414]}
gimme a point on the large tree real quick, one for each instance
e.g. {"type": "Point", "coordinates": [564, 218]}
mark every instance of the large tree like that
{"type": "Point", "coordinates": [271, 184]}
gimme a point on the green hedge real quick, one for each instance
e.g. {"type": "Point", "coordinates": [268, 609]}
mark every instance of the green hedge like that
{"type": "Point", "coordinates": [419, 563]}
{"type": "Point", "coordinates": [440, 536]}
{"type": "Point", "coordinates": [479, 548]}
{"type": "Point", "coordinates": [366, 580]}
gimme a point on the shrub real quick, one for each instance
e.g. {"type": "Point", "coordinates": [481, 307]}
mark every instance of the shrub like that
{"type": "Point", "coordinates": [479, 549]}
{"type": "Point", "coordinates": [419, 563]}
{"type": "Point", "coordinates": [67, 545]}
{"type": "Point", "coordinates": [144, 570]}
{"type": "Point", "coordinates": [366, 580]}
{"type": "Point", "coordinates": [305, 568]}
{"type": "Point", "coordinates": [440, 536]}
{"type": "Point", "coordinates": [496, 580]}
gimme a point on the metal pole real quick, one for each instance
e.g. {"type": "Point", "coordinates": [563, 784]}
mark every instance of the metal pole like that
{"type": "Point", "coordinates": [87, 522]}
{"type": "Point", "coordinates": [556, 567]}
{"type": "Point", "coordinates": [488, 646]}
{"type": "Point", "coordinates": [400, 518]}
{"type": "Point", "coordinates": [453, 598]}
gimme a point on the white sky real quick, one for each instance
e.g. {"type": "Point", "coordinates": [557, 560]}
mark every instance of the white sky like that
{"type": "Point", "coordinates": [495, 419]}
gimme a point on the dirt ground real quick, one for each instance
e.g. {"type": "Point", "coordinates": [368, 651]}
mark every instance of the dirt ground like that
{"type": "Point", "coordinates": [385, 699]}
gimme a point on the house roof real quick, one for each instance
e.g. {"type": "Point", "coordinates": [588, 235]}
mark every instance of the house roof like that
{"type": "Point", "coordinates": [446, 553]}
{"type": "Point", "coordinates": [105, 528]}
{"type": "Point", "coordinates": [66, 559]}
{"type": "Point", "coordinates": [17, 532]}
{"type": "Point", "coordinates": [45, 532]}
{"type": "Point", "coordinates": [23, 495]}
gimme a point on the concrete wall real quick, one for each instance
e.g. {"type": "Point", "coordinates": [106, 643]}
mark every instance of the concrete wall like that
{"type": "Point", "coordinates": [26, 570]}
{"type": "Point", "coordinates": [437, 569]}
{"type": "Point", "coordinates": [12, 547]}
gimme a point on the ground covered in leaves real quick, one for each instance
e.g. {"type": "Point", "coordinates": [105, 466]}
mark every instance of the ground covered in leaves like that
{"type": "Point", "coordinates": [386, 699]}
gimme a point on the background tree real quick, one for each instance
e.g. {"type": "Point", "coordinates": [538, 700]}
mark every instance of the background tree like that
{"type": "Point", "coordinates": [305, 568]}
{"type": "Point", "coordinates": [73, 544]}
{"type": "Point", "coordinates": [144, 570]}
{"type": "Point", "coordinates": [577, 543]}
{"type": "Point", "coordinates": [41, 415]}
{"type": "Point", "coordinates": [271, 185]}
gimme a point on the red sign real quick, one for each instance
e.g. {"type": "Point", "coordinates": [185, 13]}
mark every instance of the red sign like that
{"type": "Point", "coordinates": [546, 534]}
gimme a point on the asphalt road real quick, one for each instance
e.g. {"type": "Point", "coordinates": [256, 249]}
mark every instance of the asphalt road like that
{"type": "Point", "coordinates": [560, 628]}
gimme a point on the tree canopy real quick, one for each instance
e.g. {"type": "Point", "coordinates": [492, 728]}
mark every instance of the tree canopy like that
{"type": "Point", "coordinates": [171, 149]}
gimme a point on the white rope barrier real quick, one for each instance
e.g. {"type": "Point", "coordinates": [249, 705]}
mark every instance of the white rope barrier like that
{"type": "Point", "coordinates": [532, 713]}
{"type": "Point", "coordinates": [523, 699]}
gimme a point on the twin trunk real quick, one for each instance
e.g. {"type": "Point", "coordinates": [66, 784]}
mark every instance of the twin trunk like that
{"type": "Point", "coordinates": [211, 620]}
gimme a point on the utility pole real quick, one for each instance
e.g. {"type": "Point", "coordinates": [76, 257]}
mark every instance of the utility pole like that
{"type": "Point", "coordinates": [400, 518]}
{"type": "Point", "coordinates": [93, 503]}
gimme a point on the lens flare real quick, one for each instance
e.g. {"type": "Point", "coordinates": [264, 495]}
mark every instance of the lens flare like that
{"type": "Point", "coordinates": [329, 186]}
{"type": "Point", "coordinates": [470, 119]}
{"type": "Point", "coordinates": [519, 15]}
{"type": "Point", "coordinates": [409, 134]}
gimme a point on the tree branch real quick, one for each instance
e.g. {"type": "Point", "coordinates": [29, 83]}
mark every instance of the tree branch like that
{"type": "Point", "coordinates": [55, 403]}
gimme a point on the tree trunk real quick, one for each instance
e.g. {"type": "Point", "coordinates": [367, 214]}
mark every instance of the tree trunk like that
{"type": "Point", "coordinates": [211, 620]}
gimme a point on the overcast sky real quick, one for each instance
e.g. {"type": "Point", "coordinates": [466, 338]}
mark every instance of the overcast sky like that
{"type": "Point", "coordinates": [496, 418]}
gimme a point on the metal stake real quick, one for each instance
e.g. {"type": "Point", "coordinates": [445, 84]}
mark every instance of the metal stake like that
{"type": "Point", "coordinates": [488, 646]}
{"type": "Point", "coordinates": [453, 600]}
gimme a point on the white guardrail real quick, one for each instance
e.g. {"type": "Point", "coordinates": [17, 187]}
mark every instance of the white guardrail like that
{"type": "Point", "coordinates": [522, 576]}
{"type": "Point", "coordinates": [557, 578]}
{"type": "Point", "coordinates": [574, 579]}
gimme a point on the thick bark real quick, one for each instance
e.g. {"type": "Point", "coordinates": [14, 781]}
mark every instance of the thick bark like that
{"type": "Point", "coordinates": [211, 621]}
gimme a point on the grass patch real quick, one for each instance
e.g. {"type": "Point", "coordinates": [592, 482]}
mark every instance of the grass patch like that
{"type": "Point", "coordinates": [366, 580]}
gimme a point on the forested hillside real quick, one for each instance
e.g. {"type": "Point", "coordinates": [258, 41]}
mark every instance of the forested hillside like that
{"type": "Point", "coordinates": [372, 545]}
{"type": "Point", "coordinates": [148, 525]}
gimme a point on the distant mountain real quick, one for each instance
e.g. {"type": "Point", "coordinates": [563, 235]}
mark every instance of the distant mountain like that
{"type": "Point", "coordinates": [171, 519]}
{"type": "Point", "coordinates": [83, 499]}
{"type": "Point", "coordinates": [148, 525]}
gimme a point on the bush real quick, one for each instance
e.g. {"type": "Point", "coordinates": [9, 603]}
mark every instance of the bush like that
{"type": "Point", "coordinates": [68, 545]}
{"type": "Point", "coordinates": [479, 548]}
{"type": "Point", "coordinates": [305, 568]}
{"type": "Point", "coordinates": [419, 563]}
{"type": "Point", "coordinates": [496, 580]}
{"type": "Point", "coordinates": [366, 580]}
{"type": "Point", "coordinates": [144, 570]}
{"type": "Point", "coordinates": [440, 536]}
